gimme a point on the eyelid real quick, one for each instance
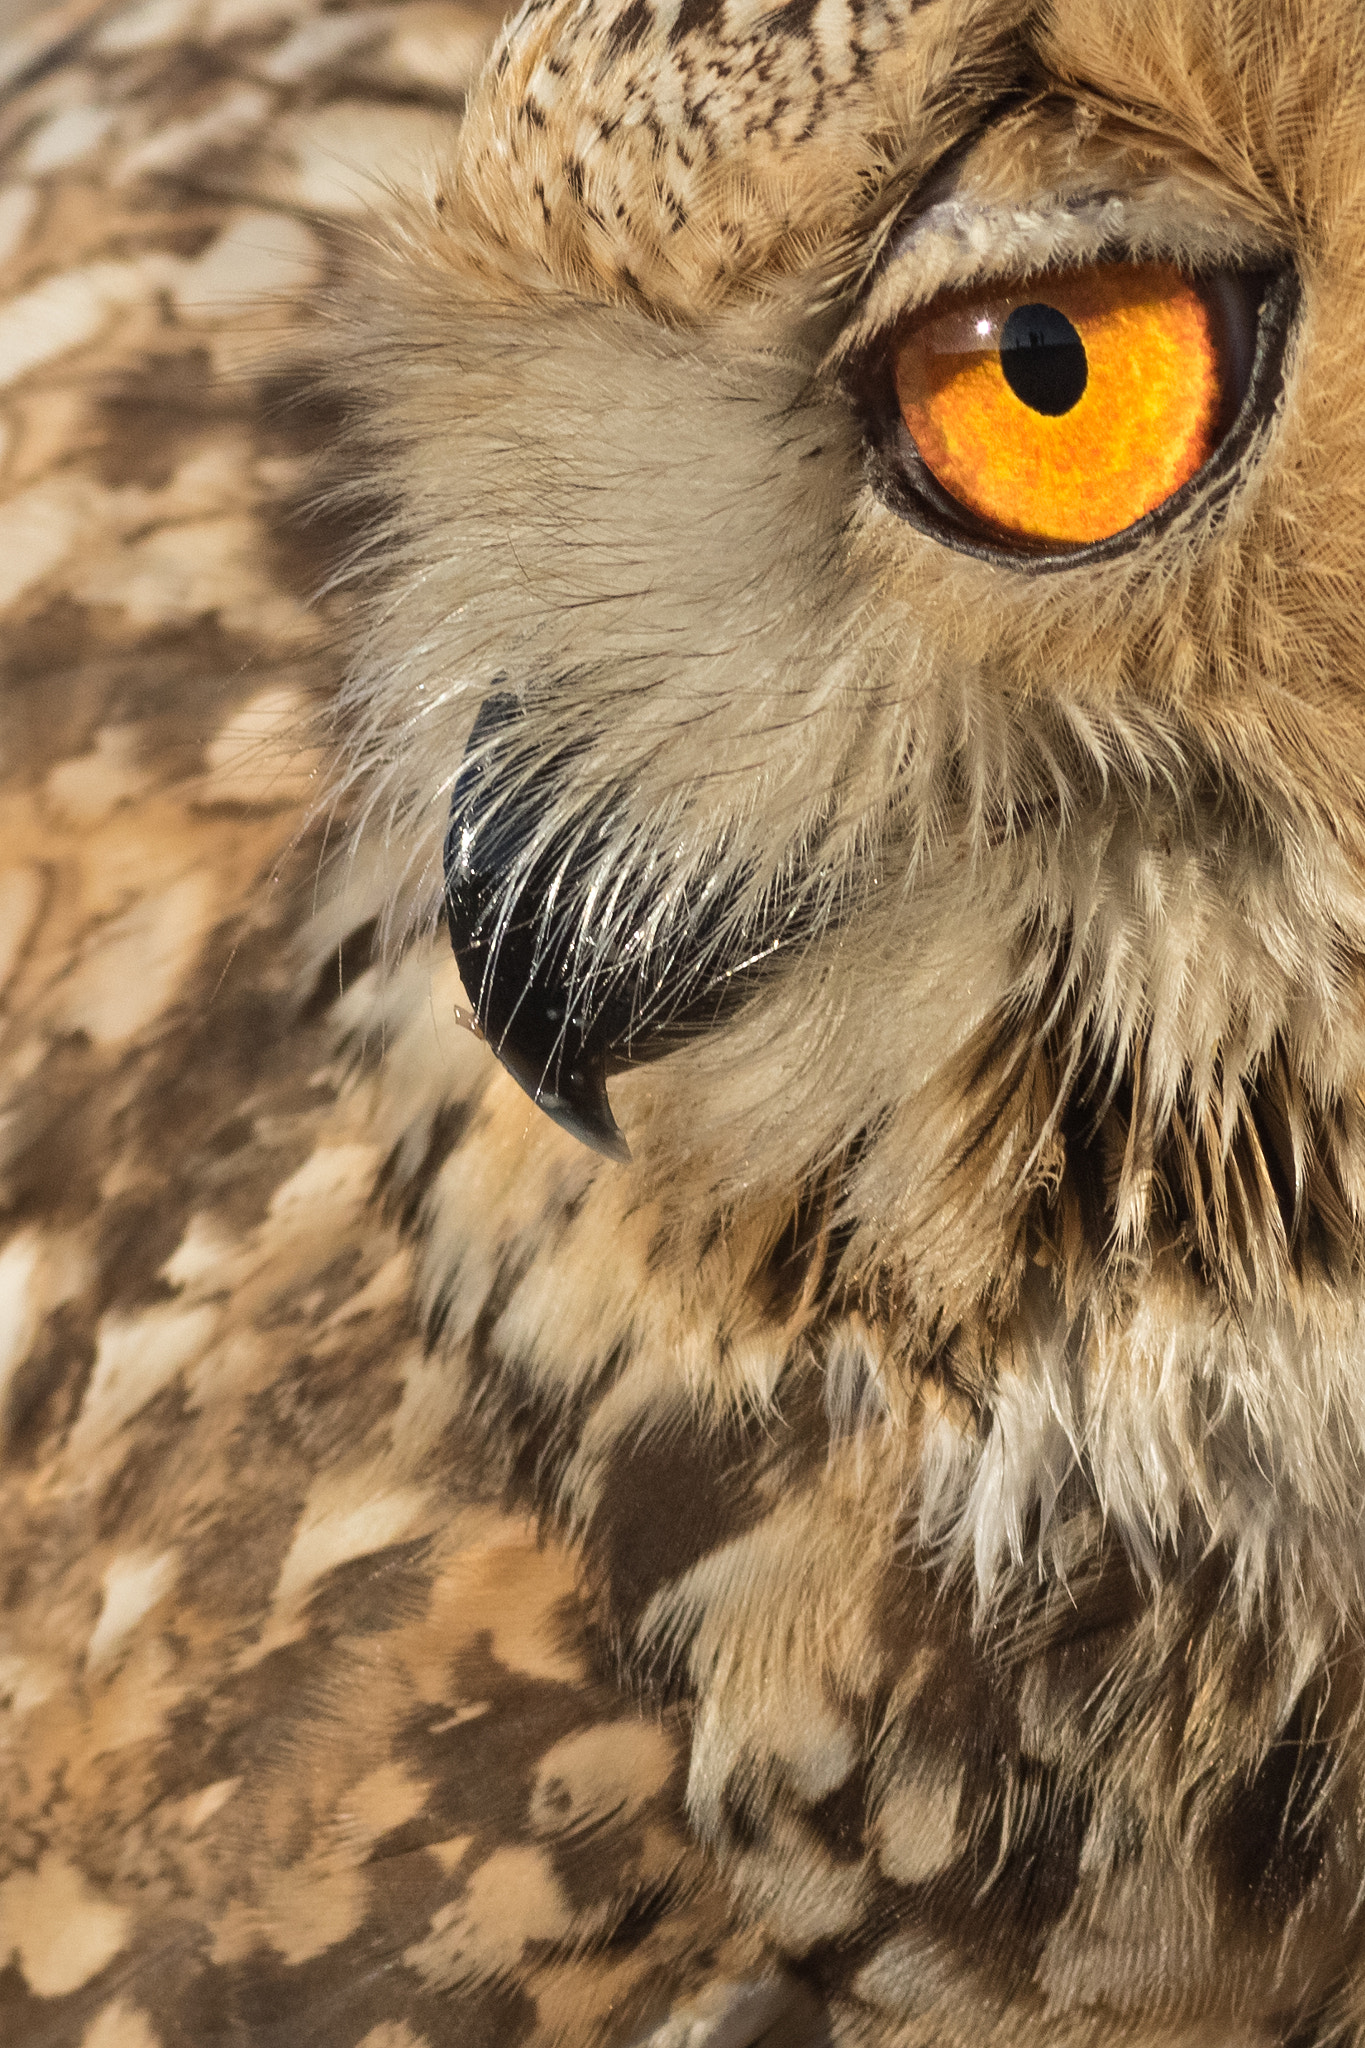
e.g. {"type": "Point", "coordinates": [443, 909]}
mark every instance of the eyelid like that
{"type": "Point", "coordinates": [957, 244]}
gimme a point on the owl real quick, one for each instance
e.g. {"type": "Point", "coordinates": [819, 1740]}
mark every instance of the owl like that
{"type": "Point", "coordinates": [682, 927]}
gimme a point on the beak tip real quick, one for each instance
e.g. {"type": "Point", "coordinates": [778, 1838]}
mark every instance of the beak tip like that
{"type": "Point", "coordinates": [585, 1113]}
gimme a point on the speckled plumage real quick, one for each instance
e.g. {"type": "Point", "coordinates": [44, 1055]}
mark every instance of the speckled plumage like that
{"type": "Point", "coordinates": [302, 1733]}
{"type": "Point", "coordinates": [884, 1566]}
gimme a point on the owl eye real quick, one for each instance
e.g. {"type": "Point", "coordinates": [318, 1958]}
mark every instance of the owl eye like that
{"type": "Point", "coordinates": [1072, 409]}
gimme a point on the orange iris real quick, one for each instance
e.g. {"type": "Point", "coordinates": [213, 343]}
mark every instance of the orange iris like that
{"type": "Point", "coordinates": [1065, 407]}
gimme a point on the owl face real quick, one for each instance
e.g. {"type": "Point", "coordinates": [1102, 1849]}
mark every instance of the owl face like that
{"type": "Point", "coordinates": [867, 659]}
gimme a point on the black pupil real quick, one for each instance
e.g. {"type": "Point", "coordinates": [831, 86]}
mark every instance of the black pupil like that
{"type": "Point", "coordinates": [1043, 359]}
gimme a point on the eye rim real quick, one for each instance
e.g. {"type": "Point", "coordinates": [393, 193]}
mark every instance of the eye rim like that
{"type": "Point", "coordinates": [905, 484]}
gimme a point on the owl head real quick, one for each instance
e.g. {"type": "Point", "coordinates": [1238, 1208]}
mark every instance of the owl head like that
{"type": "Point", "coordinates": [865, 652]}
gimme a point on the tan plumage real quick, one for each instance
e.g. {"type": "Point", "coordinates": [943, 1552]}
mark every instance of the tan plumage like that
{"type": "Point", "coordinates": [884, 1564]}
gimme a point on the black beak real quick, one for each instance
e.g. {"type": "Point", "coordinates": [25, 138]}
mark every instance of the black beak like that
{"type": "Point", "coordinates": [519, 961]}
{"type": "Point", "coordinates": [565, 990]}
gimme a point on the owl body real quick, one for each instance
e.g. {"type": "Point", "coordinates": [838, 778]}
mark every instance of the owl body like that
{"type": "Point", "coordinates": [876, 1558]}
